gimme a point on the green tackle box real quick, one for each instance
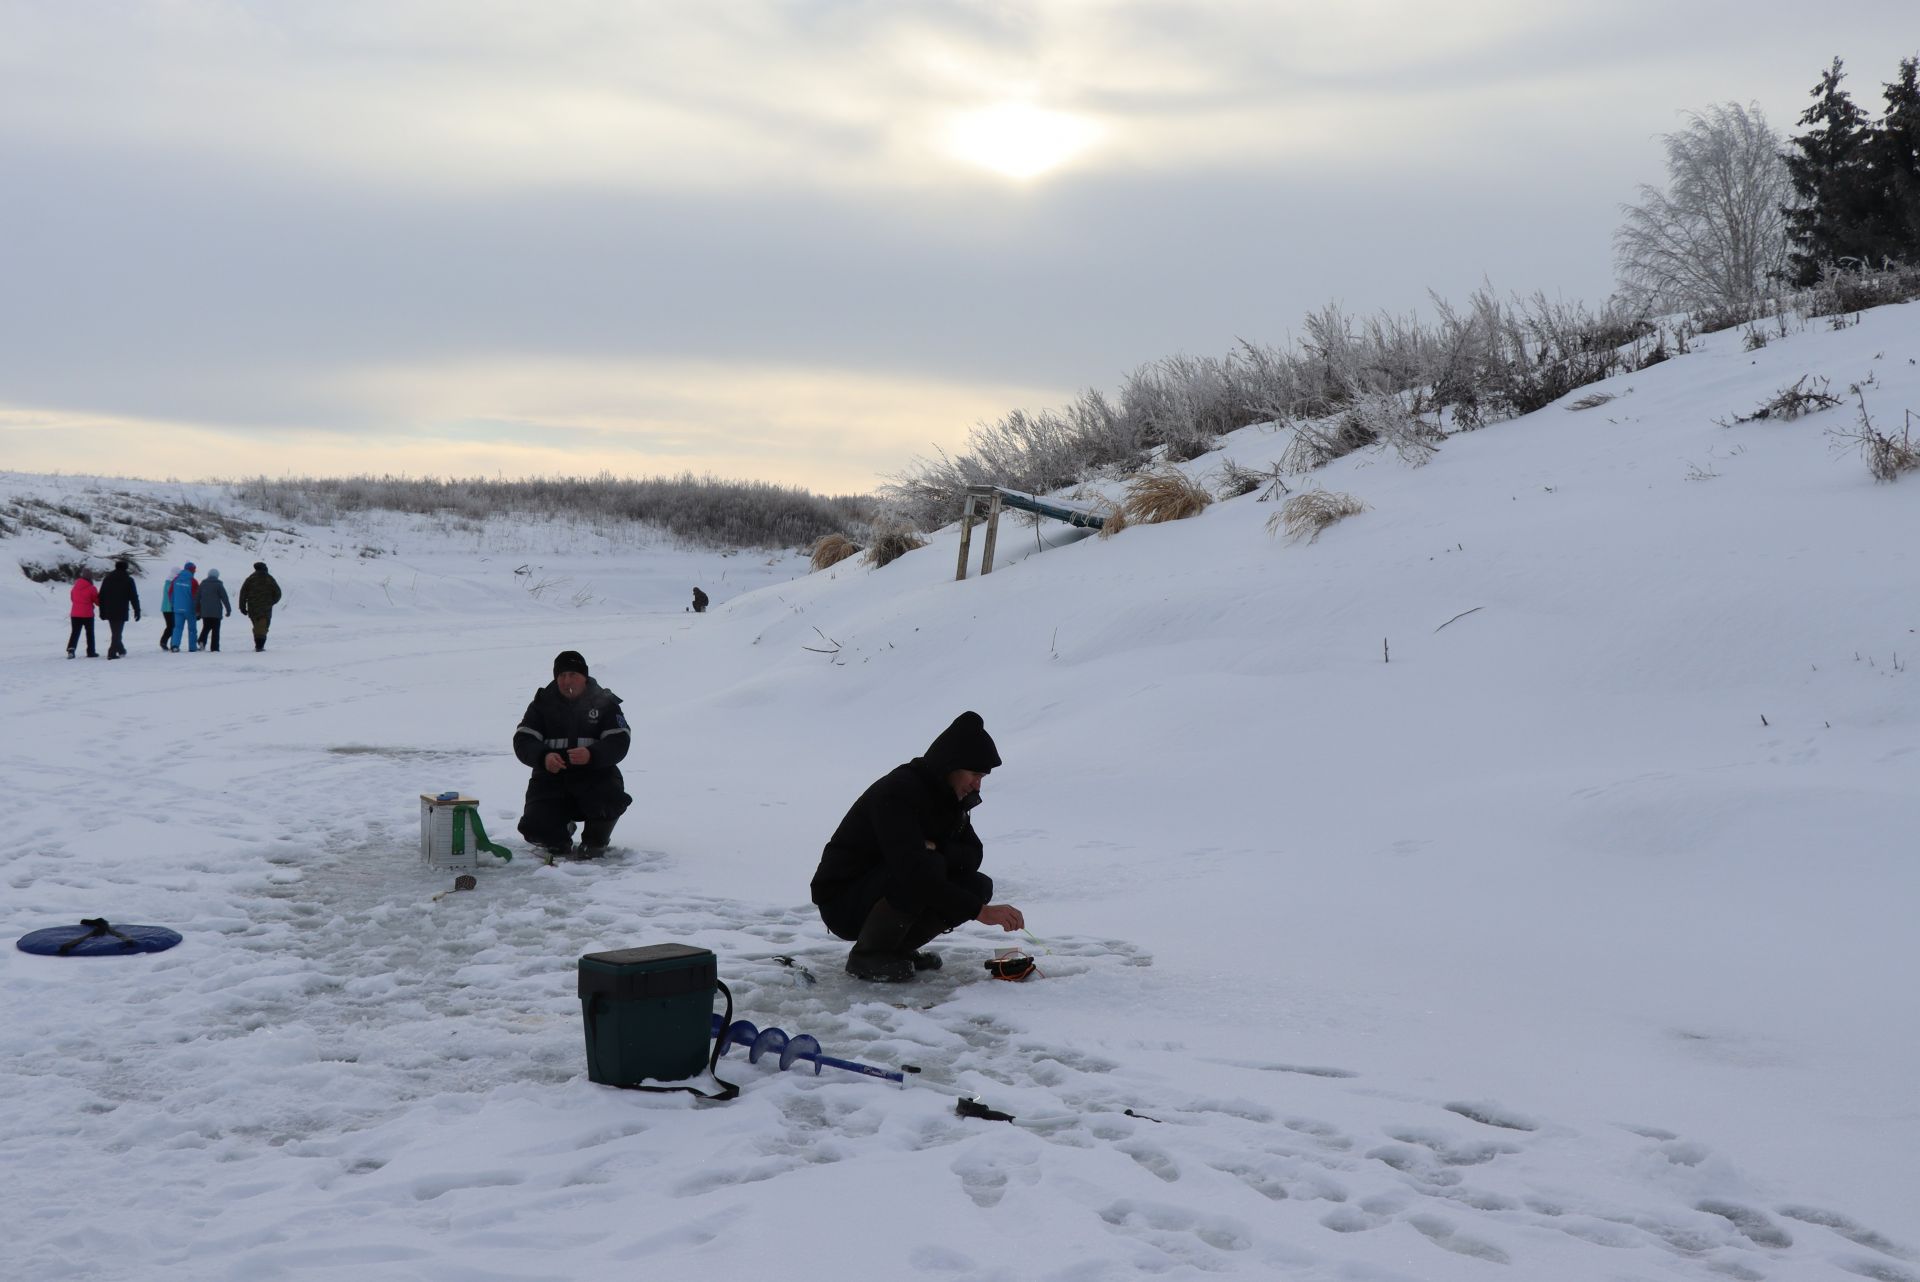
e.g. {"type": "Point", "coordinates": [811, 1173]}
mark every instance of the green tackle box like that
{"type": "Point", "coordinates": [648, 1013]}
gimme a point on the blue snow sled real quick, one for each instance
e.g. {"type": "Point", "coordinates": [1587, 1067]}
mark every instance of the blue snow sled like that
{"type": "Point", "coordinates": [96, 937]}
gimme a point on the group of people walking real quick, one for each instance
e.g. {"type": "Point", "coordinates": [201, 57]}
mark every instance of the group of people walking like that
{"type": "Point", "coordinates": [185, 600]}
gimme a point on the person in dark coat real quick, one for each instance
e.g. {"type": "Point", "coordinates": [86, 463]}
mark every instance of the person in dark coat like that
{"type": "Point", "coordinates": [258, 595]}
{"type": "Point", "coordinates": [118, 594]}
{"type": "Point", "coordinates": [904, 865]}
{"type": "Point", "coordinates": [166, 608]}
{"type": "Point", "coordinates": [213, 600]}
{"type": "Point", "coordinates": [699, 601]}
{"type": "Point", "coordinates": [574, 737]}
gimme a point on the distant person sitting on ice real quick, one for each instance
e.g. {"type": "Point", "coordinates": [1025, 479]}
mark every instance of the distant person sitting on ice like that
{"type": "Point", "coordinates": [699, 601]}
{"type": "Point", "coordinates": [573, 735]}
{"type": "Point", "coordinates": [904, 865]}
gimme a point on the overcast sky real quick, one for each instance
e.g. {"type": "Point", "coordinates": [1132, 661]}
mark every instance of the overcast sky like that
{"type": "Point", "coordinates": [800, 242]}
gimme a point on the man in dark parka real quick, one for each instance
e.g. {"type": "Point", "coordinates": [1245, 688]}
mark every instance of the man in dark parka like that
{"type": "Point", "coordinates": [258, 595]}
{"type": "Point", "coordinates": [904, 865]}
{"type": "Point", "coordinates": [574, 737]}
{"type": "Point", "coordinates": [118, 594]}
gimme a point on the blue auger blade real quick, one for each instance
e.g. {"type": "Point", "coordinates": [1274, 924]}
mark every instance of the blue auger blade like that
{"type": "Point", "coordinates": [740, 1033]}
{"type": "Point", "coordinates": [790, 1049]}
{"type": "Point", "coordinates": [772, 1040]}
{"type": "Point", "coordinates": [801, 1047]}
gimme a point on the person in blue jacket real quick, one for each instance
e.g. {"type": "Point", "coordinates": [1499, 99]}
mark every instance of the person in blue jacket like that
{"type": "Point", "coordinates": [183, 593]}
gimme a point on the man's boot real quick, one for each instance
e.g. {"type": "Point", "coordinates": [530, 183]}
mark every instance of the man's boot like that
{"type": "Point", "coordinates": [595, 836]}
{"type": "Point", "coordinates": [923, 931]}
{"type": "Point", "coordinates": [877, 955]}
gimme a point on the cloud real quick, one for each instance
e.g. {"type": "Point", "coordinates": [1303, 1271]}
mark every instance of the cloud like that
{"type": "Point", "coordinates": [831, 431]}
{"type": "Point", "coordinates": [279, 223]}
{"type": "Point", "coordinates": [663, 96]}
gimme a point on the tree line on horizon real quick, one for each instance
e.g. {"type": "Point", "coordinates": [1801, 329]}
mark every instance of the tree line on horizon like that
{"type": "Point", "coordinates": [701, 510]}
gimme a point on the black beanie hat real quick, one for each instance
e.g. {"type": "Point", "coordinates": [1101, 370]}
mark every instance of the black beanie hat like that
{"type": "Point", "coordinates": [569, 661]}
{"type": "Point", "coordinates": [260, 566]}
{"type": "Point", "coordinates": [964, 745]}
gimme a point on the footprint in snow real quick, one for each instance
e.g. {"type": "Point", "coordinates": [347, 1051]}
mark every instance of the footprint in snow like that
{"type": "Point", "coordinates": [1183, 1236]}
{"type": "Point", "coordinates": [1754, 1225]}
{"type": "Point", "coordinates": [1496, 1115]}
{"type": "Point", "coordinates": [1443, 1234]}
{"type": "Point", "coordinates": [1849, 1229]}
{"type": "Point", "coordinates": [1449, 1150]}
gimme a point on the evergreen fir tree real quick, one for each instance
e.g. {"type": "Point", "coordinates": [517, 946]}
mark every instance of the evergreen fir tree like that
{"type": "Point", "coordinates": [1832, 175]}
{"type": "Point", "coordinates": [1894, 153]}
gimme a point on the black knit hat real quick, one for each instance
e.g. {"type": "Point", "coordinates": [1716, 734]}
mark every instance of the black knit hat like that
{"type": "Point", "coordinates": [260, 566]}
{"type": "Point", "coordinates": [569, 661]}
{"type": "Point", "coordinates": [964, 745]}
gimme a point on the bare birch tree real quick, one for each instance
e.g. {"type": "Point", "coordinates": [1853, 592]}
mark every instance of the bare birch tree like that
{"type": "Point", "coordinates": [1716, 237]}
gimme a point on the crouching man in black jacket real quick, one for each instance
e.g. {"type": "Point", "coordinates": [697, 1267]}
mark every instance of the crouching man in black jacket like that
{"type": "Point", "coordinates": [573, 736]}
{"type": "Point", "coordinates": [904, 865]}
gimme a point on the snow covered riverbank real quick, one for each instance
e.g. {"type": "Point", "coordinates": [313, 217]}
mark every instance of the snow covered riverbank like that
{"type": "Point", "coordinates": [1575, 939]}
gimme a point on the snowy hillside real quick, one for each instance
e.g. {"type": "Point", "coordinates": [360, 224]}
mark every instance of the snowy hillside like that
{"type": "Point", "coordinates": [1515, 882]}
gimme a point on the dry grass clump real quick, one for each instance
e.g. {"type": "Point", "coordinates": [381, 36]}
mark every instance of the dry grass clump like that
{"type": "Point", "coordinates": [1887, 455]}
{"type": "Point", "coordinates": [831, 549]}
{"type": "Point", "coordinates": [1113, 517]}
{"type": "Point", "coordinates": [1165, 494]}
{"type": "Point", "coordinates": [1310, 513]}
{"type": "Point", "coordinates": [1236, 480]}
{"type": "Point", "coordinates": [890, 543]}
{"type": "Point", "coordinates": [1792, 401]}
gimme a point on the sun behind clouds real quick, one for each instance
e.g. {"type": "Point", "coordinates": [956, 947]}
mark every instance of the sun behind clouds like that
{"type": "Point", "coordinates": [1018, 139]}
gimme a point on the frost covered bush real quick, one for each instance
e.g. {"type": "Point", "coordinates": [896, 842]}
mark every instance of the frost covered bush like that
{"type": "Point", "coordinates": [1311, 513]}
{"type": "Point", "coordinates": [1843, 290]}
{"type": "Point", "coordinates": [1495, 358]}
{"type": "Point", "coordinates": [1372, 418]}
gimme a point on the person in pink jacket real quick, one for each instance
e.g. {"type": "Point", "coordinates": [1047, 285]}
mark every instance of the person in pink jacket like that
{"type": "Point", "coordinates": [84, 597]}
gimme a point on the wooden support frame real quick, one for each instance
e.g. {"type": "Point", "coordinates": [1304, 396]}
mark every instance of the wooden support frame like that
{"type": "Point", "coordinates": [976, 493]}
{"type": "Point", "coordinates": [995, 499]}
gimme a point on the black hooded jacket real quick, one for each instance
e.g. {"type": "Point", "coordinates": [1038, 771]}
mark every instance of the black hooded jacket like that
{"type": "Point", "coordinates": [555, 723]}
{"type": "Point", "coordinates": [117, 595]}
{"type": "Point", "coordinates": [910, 823]}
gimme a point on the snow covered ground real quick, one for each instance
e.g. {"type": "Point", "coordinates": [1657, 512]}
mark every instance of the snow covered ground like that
{"type": "Point", "coordinates": [1574, 942]}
